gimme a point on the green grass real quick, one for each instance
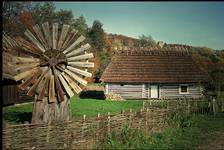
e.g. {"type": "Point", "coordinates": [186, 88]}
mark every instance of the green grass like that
{"type": "Point", "coordinates": [200, 130]}
{"type": "Point", "coordinates": [89, 107]}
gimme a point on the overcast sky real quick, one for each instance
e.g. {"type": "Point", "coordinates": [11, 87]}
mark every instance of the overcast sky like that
{"type": "Point", "coordinates": [191, 23]}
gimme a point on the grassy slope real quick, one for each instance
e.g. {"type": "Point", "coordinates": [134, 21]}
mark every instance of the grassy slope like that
{"type": "Point", "coordinates": [89, 107]}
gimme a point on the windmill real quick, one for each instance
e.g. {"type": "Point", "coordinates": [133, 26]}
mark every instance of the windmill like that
{"type": "Point", "coordinates": [54, 69]}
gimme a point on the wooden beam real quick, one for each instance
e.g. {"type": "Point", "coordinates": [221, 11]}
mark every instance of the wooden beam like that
{"type": "Point", "coordinates": [69, 38]}
{"type": "Point", "coordinates": [25, 59]}
{"type": "Point", "coordinates": [58, 87]}
{"type": "Point", "coordinates": [30, 80]}
{"type": "Point", "coordinates": [84, 73]}
{"type": "Point", "coordinates": [32, 90]}
{"type": "Point", "coordinates": [79, 50]}
{"type": "Point", "coordinates": [23, 67]}
{"type": "Point", "coordinates": [40, 35]}
{"type": "Point", "coordinates": [52, 97]}
{"type": "Point", "coordinates": [77, 78]}
{"type": "Point", "coordinates": [81, 57]}
{"type": "Point", "coordinates": [45, 87]}
{"type": "Point", "coordinates": [81, 64]}
{"type": "Point", "coordinates": [79, 40]}
{"type": "Point", "coordinates": [25, 74]}
{"type": "Point", "coordinates": [34, 40]}
{"type": "Point", "coordinates": [46, 29]}
{"type": "Point", "coordinates": [27, 46]}
{"type": "Point", "coordinates": [74, 86]}
{"type": "Point", "coordinates": [55, 35]}
{"type": "Point", "coordinates": [63, 35]}
{"type": "Point", "coordinates": [66, 86]}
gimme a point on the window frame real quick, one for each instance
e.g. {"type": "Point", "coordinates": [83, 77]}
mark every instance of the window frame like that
{"type": "Point", "coordinates": [180, 92]}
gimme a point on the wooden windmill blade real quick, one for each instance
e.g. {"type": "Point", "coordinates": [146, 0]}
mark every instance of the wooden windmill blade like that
{"type": "Point", "coordinates": [60, 66]}
{"type": "Point", "coordinates": [52, 66]}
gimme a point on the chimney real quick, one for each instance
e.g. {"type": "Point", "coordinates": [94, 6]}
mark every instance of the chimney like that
{"type": "Point", "coordinates": [160, 44]}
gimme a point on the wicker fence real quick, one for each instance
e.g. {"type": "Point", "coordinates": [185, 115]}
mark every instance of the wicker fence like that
{"type": "Point", "coordinates": [88, 134]}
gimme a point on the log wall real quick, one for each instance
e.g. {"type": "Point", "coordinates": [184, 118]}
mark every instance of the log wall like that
{"type": "Point", "coordinates": [142, 91]}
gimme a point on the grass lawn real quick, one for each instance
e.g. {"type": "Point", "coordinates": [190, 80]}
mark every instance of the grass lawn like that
{"type": "Point", "coordinates": [89, 107]}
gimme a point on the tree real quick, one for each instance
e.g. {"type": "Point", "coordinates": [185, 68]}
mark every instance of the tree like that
{"type": "Point", "coordinates": [96, 35]}
{"type": "Point", "coordinates": [44, 12]}
{"type": "Point", "coordinates": [80, 24]}
{"type": "Point", "coordinates": [11, 12]}
{"type": "Point", "coordinates": [146, 41]}
{"type": "Point", "coordinates": [217, 74]}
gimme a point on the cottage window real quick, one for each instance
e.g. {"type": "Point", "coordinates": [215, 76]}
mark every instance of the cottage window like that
{"type": "Point", "coordinates": [183, 89]}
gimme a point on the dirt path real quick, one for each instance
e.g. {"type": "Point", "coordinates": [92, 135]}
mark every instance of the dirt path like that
{"type": "Point", "coordinates": [215, 142]}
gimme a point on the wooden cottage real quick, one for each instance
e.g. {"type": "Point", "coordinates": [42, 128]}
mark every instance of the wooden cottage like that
{"type": "Point", "coordinates": [154, 74]}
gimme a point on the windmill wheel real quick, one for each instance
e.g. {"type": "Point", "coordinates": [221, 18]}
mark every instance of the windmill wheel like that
{"type": "Point", "coordinates": [58, 63]}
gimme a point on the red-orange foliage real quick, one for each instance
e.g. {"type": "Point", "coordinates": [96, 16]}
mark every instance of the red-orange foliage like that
{"type": "Point", "coordinates": [27, 19]}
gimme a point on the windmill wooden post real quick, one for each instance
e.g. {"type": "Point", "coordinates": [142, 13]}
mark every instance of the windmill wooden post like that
{"type": "Point", "coordinates": [55, 70]}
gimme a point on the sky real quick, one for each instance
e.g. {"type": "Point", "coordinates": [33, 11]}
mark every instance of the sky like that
{"type": "Point", "coordinates": [191, 23]}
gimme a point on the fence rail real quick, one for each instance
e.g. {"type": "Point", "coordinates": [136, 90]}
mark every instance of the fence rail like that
{"type": "Point", "coordinates": [88, 134]}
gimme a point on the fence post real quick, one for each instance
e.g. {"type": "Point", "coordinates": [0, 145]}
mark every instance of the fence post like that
{"type": "Point", "coordinates": [130, 117]}
{"type": "Point", "coordinates": [209, 106]}
{"type": "Point", "coordinates": [98, 128]}
{"type": "Point", "coordinates": [83, 127]}
{"type": "Point", "coordinates": [214, 106]}
{"type": "Point", "coordinates": [143, 105]}
{"type": "Point", "coordinates": [108, 123]}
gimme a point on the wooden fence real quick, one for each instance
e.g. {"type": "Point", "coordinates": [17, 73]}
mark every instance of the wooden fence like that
{"type": "Point", "coordinates": [88, 134]}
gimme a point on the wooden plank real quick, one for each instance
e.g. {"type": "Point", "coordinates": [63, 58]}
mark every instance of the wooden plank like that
{"type": "Point", "coordinates": [77, 78]}
{"type": "Point", "coordinates": [45, 87]}
{"type": "Point", "coordinates": [25, 59]}
{"type": "Point", "coordinates": [63, 35]}
{"type": "Point", "coordinates": [79, 40]}
{"type": "Point", "coordinates": [46, 29]}
{"type": "Point", "coordinates": [81, 57]}
{"type": "Point", "coordinates": [40, 35]}
{"type": "Point", "coordinates": [23, 67]}
{"type": "Point", "coordinates": [69, 38]}
{"type": "Point", "coordinates": [35, 85]}
{"type": "Point", "coordinates": [30, 80]}
{"type": "Point", "coordinates": [79, 50]}
{"type": "Point", "coordinates": [84, 73]}
{"type": "Point", "coordinates": [27, 46]}
{"type": "Point", "coordinates": [74, 86]}
{"type": "Point", "coordinates": [66, 86]}
{"type": "Point", "coordinates": [25, 74]}
{"type": "Point", "coordinates": [34, 40]}
{"type": "Point", "coordinates": [52, 97]}
{"type": "Point", "coordinates": [55, 35]}
{"type": "Point", "coordinates": [82, 64]}
{"type": "Point", "coordinates": [58, 87]}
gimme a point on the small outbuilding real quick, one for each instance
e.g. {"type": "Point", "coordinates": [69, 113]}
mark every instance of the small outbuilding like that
{"type": "Point", "coordinates": [154, 74]}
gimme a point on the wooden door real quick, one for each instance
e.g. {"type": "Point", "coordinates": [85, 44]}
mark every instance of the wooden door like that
{"type": "Point", "coordinates": [154, 91]}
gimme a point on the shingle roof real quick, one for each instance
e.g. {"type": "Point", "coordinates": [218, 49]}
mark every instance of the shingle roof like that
{"type": "Point", "coordinates": [154, 66]}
